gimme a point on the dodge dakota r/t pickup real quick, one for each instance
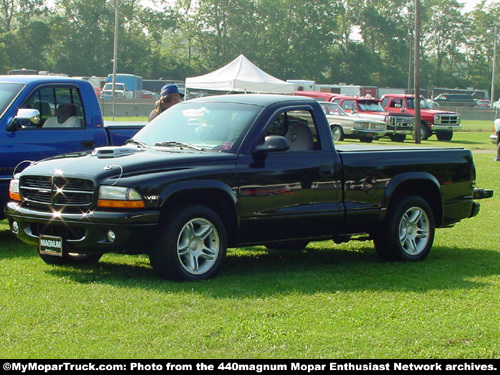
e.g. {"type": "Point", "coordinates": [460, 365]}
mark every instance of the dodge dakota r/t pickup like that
{"type": "Point", "coordinates": [238, 170]}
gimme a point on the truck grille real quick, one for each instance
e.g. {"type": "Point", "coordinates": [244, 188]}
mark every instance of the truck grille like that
{"type": "Point", "coordinates": [375, 126]}
{"type": "Point", "coordinates": [447, 120]}
{"type": "Point", "coordinates": [57, 191]}
{"type": "Point", "coordinates": [399, 122]}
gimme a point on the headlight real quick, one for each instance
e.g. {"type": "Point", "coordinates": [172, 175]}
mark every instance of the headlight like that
{"type": "Point", "coordinates": [358, 125]}
{"type": "Point", "coordinates": [119, 197]}
{"type": "Point", "coordinates": [14, 193]}
{"type": "Point", "coordinates": [436, 118]}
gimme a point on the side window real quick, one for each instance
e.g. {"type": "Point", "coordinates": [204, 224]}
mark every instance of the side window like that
{"type": "Point", "coordinates": [385, 101]}
{"type": "Point", "coordinates": [396, 103]}
{"type": "Point", "coordinates": [299, 128]}
{"type": "Point", "coordinates": [60, 107]}
{"type": "Point", "coordinates": [348, 105]}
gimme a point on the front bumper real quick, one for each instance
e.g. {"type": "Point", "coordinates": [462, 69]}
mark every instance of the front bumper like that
{"type": "Point", "coordinates": [87, 232]}
{"type": "Point", "coordinates": [399, 131]}
{"type": "Point", "coordinates": [368, 133]}
{"type": "Point", "coordinates": [450, 128]}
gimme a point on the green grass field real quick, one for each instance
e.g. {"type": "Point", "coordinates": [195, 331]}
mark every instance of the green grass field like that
{"type": "Point", "coordinates": [329, 301]}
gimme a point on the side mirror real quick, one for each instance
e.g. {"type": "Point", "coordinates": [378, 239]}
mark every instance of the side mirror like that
{"type": "Point", "coordinates": [25, 117]}
{"type": "Point", "coordinates": [272, 143]}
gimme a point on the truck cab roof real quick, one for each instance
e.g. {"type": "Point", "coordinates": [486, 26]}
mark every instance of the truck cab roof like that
{"type": "Point", "coordinates": [36, 79]}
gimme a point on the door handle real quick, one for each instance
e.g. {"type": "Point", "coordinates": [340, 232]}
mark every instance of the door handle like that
{"type": "Point", "coordinates": [326, 171]}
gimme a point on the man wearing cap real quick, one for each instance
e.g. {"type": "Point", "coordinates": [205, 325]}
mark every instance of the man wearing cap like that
{"type": "Point", "coordinates": [169, 96]}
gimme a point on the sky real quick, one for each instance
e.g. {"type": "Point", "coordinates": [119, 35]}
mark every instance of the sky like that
{"type": "Point", "coordinates": [470, 4]}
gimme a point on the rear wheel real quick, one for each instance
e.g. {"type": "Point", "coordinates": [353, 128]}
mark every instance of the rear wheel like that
{"type": "Point", "coordinates": [407, 232]}
{"type": "Point", "coordinates": [192, 244]}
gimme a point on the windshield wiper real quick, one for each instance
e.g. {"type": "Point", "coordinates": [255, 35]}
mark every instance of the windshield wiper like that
{"type": "Point", "coordinates": [136, 142]}
{"type": "Point", "coordinates": [178, 144]}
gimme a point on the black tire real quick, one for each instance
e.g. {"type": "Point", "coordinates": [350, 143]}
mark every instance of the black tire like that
{"type": "Point", "coordinates": [337, 133]}
{"type": "Point", "coordinates": [71, 258]}
{"type": "Point", "coordinates": [397, 137]}
{"type": "Point", "coordinates": [192, 244]}
{"type": "Point", "coordinates": [444, 135]}
{"type": "Point", "coordinates": [407, 232]}
{"type": "Point", "coordinates": [425, 132]}
{"type": "Point", "coordinates": [295, 245]}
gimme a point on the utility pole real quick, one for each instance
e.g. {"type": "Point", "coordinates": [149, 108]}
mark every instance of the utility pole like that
{"type": "Point", "coordinates": [416, 53]}
{"type": "Point", "coordinates": [115, 56]}
{"type": "Point", "coordinates": [411, 62]}
{"type": "Point", "coordinates": [492, 94]}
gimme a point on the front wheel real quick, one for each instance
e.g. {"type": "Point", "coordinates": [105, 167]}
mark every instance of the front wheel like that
{"type": "Point", "coordinates": [337, 133]}
{"type": "Point", "coordinates": [442, 135]}
{"type": "Point", "coordinates": [397, 137]}
{"type": "Point", "coordinates": [425, 131]}
{"type": "Point", "coordinates": [407, 232]}
{"type": "Point", "coordinates": [192, 244]}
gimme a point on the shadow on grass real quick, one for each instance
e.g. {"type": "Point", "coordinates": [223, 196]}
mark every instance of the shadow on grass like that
{"type": "Point", "coordinates": [11, 247]}
{"type": "Point", "coordinates": [256, 272]}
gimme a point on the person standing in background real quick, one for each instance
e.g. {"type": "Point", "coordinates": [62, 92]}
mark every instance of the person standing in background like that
{"type": "Point", "coordinates": [169, 96]}
{"type": "Point", "coordinates": [497, 130]}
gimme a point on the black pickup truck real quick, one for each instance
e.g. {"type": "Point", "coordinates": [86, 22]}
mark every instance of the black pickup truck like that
{"type": "Point", "coordinates": [238, 170]}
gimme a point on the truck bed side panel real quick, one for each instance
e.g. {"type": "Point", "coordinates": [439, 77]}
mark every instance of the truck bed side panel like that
{"type": "Point", "coordinates": [373, 176]}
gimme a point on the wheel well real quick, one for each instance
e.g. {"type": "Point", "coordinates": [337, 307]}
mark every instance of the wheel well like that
{"type": "Point", "coordinates": [424, 189]}
{"type": "Point", "coordinates": [215, 199]}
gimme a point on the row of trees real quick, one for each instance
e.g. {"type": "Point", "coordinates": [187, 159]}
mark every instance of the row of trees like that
{"type": "Point", "coordinates": [353, 41]}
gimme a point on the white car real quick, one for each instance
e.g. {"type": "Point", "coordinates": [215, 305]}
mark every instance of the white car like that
{"type": "Point", "coordinates": [121, 91]}
{"type": "Point", "coordinates": [496, 104]}
{"type": "Point", "coordinates": [496, 131]}
{"type": "Point", "coordinates": [344, 126]}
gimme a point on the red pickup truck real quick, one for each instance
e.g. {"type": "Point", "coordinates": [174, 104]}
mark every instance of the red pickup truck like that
{"type": "Point", "coordinates": [398, 124]}
{"type": "Point", "coordinates": [441, 123]}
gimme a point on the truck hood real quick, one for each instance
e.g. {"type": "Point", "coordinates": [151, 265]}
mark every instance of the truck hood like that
{"type": "Point", "coordinates": [429, 112]}
{"type": "Point", "coordinates": [122, 161]}
{"type": "Point", "coordinates": [438, 112]}
{"type": "Point", "coordinates": [369, 114]}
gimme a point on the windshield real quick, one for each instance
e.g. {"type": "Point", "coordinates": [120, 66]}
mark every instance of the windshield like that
{"type": "Point", "coordinates": [199, 125]}
{"type": "Point", "coordinates": [332, 109]}
{"type": "Point", "coordinates": [370, 105]}
{"type": "Point", "coordinates": [423, 103]}
{"type": "Point", "coordinates": [8, 92]}
{"type": "Point", "coordinates": [109, 86]}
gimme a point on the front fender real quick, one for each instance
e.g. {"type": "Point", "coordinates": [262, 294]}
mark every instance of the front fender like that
{"type": "Point", "coordinates": [197, 185]}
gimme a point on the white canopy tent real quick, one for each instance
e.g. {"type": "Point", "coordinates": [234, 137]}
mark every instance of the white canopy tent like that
{"type": "Point", "coordinates": [240, 75]}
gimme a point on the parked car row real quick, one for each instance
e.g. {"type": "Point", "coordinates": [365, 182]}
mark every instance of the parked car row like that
{"type": "Point", "coordinates": [368, 118]}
